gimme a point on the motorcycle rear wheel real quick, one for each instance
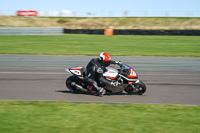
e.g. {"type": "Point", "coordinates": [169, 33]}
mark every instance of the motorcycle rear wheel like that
{"type": "Point", "coordinates": [136, 89]}
{"type": "Point", "coordinates": [69, 85]}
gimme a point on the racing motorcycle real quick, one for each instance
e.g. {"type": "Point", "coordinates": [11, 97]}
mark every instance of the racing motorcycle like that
{"type": "Point", "coordinates": [125, 75]}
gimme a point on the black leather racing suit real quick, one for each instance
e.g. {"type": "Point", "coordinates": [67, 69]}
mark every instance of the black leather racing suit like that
{"type": "Point", "coordinates": [94, 73]}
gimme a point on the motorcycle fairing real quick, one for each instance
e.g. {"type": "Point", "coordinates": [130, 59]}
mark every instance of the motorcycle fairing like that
{"type": "Point", "coordinates": [75, 70]}
{"type": "Point", "coordinates": [116, 89]}
{"type": "Point", "coordinates": [131, 72]}
{"type": "Point", "coordinates": [110, 72]}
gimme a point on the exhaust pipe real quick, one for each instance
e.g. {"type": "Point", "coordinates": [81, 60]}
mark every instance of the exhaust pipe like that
{"type": "Point", "coordinates": [78, 87]}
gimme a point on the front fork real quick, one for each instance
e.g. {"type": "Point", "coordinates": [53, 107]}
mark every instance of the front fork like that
{"type": "Point", "coordinates": [132, 84]}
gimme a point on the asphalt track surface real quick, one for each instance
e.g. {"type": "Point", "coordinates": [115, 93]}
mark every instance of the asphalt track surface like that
{"type": "Point", "coordinates": [169, 80]}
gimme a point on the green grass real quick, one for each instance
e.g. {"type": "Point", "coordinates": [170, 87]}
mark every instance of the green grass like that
{"type": "Point", "coordinates": [61, 117]}
{"type": "Point", "coordinates": [70, 44]}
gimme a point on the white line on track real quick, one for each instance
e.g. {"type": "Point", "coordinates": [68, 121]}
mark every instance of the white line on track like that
{"type": "Point", "coordinates": [105, 102]}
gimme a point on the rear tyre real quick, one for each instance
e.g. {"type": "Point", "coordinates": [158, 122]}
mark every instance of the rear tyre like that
{"type": "Point", "coordinates": [70, 86]}
{"type": "Point", "coordinates": [136, 89]}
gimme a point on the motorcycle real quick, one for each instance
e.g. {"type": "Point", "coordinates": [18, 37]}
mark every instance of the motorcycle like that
{"type": "Point", "coordinates": [126, 76]}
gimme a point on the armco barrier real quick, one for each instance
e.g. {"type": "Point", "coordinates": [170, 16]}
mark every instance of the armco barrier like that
{"type": "Point", "coordinates": [84, 31]}
{"type": "Point", "coordinates": [31, 31]}
{"type": "Point", "coordinates": [60, 31]}
{"type": "Point", "coordinates": [135, 32]}
{"type": "Point", "coordinates": [158, 32]}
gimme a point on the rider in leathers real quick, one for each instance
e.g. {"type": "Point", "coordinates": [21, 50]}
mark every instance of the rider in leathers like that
{"type": "Point", "coordinates": [94, 72]}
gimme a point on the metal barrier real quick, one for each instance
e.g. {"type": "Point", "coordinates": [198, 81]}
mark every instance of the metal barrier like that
{"type": "Point", "coordinates": [31, 31]}
{"type": "Point", "coordinates": [60, 31]}
{"type": "Point", "coordinates": [135, 32]}
{"type": "Point", "coordinates": [84, 31]}
{"type": "Point", "coordinates": [158, 32]}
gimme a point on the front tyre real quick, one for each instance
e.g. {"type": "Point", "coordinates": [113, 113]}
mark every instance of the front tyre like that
{"type": "Point", "coordinates": [136, 89]}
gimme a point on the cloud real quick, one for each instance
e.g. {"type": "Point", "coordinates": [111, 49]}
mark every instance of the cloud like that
{"type": "Point", "coordinates": [68, 13]}
{"type": "Point", "coordinates": [55, 13]}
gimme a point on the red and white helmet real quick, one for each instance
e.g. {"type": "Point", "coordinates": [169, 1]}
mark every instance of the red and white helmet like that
{"type": "Point", "coordinates": [104, 59]}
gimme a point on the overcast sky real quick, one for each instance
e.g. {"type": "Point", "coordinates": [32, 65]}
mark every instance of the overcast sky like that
{"type": "Point", "coordinates": [105, 8]}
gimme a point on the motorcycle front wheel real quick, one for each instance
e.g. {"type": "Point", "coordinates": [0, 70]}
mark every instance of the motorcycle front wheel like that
{"type": "Point", "coordinates": [136, 89]}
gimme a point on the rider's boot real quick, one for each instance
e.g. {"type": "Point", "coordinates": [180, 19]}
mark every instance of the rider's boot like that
{"type": "Point", "coordinates": [102, 91]}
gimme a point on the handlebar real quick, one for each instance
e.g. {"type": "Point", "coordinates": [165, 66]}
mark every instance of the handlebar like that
{"type": "Point", "coordinates": [122, 71]}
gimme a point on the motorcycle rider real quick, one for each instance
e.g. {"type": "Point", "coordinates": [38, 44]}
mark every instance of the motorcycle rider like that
{"type": "Point", "coordinates": [94, 72]}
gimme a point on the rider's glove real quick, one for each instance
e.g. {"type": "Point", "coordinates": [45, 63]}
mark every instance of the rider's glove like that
{"type": "Point", "coordinates": [116, 83]}
{"type": "Point", "coordinates": [118, 63]}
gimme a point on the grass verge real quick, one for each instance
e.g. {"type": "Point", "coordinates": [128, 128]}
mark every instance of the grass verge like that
{"type": "Point", "coordinates": [70, 44]}
{"type": "Point", "coordinates": [148, 23]}
{"type": "Point", "coordinates": [60, 117]}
